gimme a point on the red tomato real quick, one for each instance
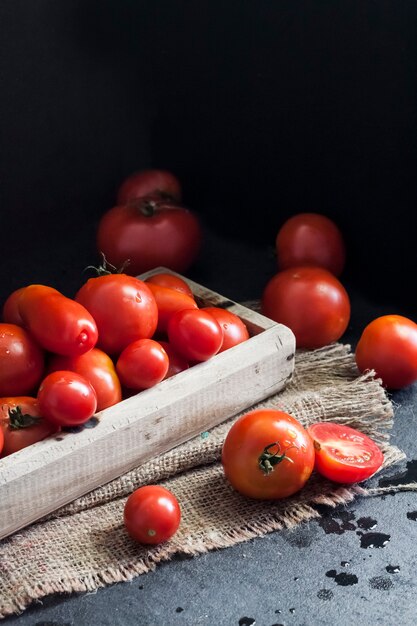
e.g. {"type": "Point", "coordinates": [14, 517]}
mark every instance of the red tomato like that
{"type": "Point", "coordinates": [195, 334]}
{"type": "Point", "coordinates": [66, 398]}
{"type": "Point", "coordinates": [310, 301]}
{"type": "Point", "coordinates": [234, 330]}
{"type": "Point", "coordinates": [171, 281]}
{"type": "Point", "coordinates": [98, 368]}
{"type": "Point", "coordinates": [142, 364]}
{"type": "Point", "coordinates": [310, 239]}
{"type": "Point", "coordinates": [22, 423]}
{"type": "Point", "coordinates": [11, 313]}
{"type": "Point", "coordinates": [177, 363]}
{"type": "Point", "coordinates": [123, 307]}
{"type": "Point", "coordinates": [267, 454]}
{"type": "Point", "coordinates": [58, 324]}
{"type": "Point", "coordinates": [21, 361]}
{"type": "Point", "coordinates": [152, 514]}
{"type": "Point", "coordinates": [344, 454]}
{"type": "Point", "coordinates": [169, 301]}
{"type": "Point", "coordinates": [150, 233]}
{"type": "Point", "coordinates": [388, 345]}
{"type": "Point", "coordinates": [149, 182]}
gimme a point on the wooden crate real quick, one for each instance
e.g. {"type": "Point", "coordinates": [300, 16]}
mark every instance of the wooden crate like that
{"type": "Point", "coordinates": [53, 472]}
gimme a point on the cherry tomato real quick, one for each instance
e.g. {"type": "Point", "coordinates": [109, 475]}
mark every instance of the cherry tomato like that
{"type": "Point", "coordinates": [98, 368]}
{"type": "Point", "coordinates": [310, 239]}
{"type": "Point", "coordinates": [142, 364]}
{"type": "Point", "coordinates": [66, 398]}
{"type": "Point", "coordinates": [267, 454]}
{"type": "Point", "coordinates": [149, 182]}
{"type": "Point", "coordinates": [195, 334]}
{"type": "Point", "coordinates": [152, 514]}
{"type": "Point", "coordinates": [311, 302]}
{"type": "Point", "coordinates": [123, 307]}
{"type": "Point", "coordinates": [344, 454]}
{"type": "Point", "coordinates": [171, 281]}
{"type": "Point", "coordinates": [21, 423]}
{"type": "Point", "coordinates": [177, 363]}
{"type": "Point", "coordinates": [58, 324]}
{"type": "Point", "coordinates": [388, 345]}
{"type": "Point", "coordinates": [234, 330]}
{"type": "Point", "coordinates": [169, 301]}
{"type": "Point", "coordinates": [150, 233]}
{"type": "Point", "coordinates": [21, 361]}
{"type": "Point", "coordinates": [11, 313]}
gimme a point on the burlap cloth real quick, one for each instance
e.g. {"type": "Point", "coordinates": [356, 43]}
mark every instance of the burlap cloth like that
{"type": "Point", "coordinates": [84, 546]}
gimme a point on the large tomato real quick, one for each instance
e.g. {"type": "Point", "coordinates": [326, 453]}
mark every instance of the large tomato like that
{"type": "Point", "coordinates": [98, 368]}
{"type": "Point", "coordinates": [267, 454]}
{"type": "Point", "coordinates": [123, 307]}
{"type": "Point", "coordinates": [149, 182]}
{"type": "Point", "coordinates": [310, 301]}
{"type": "Point", "coordinates": [389, 346]}
{"type": "Point", "coordinates": [21, 423]}
{"type": "Point", "coordinates": [58, 324]}
{"type": "Point", "coordinates": [21, 361]}
{"type": "Point", "coordinates": [310, 239]}
{"type": "Point", "coordinates": [149, 233]}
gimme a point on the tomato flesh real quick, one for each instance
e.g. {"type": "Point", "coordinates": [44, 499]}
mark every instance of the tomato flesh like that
{"type": "Point", "coordinates": [343, 454]}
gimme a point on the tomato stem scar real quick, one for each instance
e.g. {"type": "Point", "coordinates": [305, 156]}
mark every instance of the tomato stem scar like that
{"type": "Point", "coordinates": [268, 460]}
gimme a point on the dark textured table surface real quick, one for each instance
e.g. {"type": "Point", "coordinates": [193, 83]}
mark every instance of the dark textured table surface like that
{"type": "Point", "coordinates": [328, 571]}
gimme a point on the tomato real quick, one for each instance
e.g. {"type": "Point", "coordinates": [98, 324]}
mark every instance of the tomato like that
{"type": "Point", "coordinates": [177, 363]}
{"type": "Point", "coordinates": [310, 301]}
{"type": "Point", "coordinates": [234, 330]}
{"type": "Point", "coordinates": [169, 301]}
{"type": "Point", "coordinates": [171, 281]}
{"type": "Point", "coordinates": [21, 361]}
{"type": "Point", "coordinates": [58, 323]}
{"type": "Point", "coordinates": [98, 368]}
{"type": "Point", "coordinates": [142, 364]}
{"type": "Point", "coordinates": [149, 182]}
{"type": "Point", "coordinates": [195, 334]}
{"type": "Point", "coordinates": [11, 313]}
{"type": "Point", "coordinates": [152, 514]}
{"type": "Point", "coordinates": [267, 454]}
{"type": "Point", "coordinates": [21, 423]}
{"type": "Point", "coordinates": [388, 345]}
{"type": "Point", "coordinates": [310, 239]}
{"type": "Point", "coordinates": [344, 454]}
{"type": "Point", "coordinates": [66, 398]}
{"type": "Point", "coordinates": [123, 307]}
{"type": "Point", "coordinates": [150, 233]}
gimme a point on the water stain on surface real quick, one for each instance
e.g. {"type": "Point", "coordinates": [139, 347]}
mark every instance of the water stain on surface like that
{"type": "Point", "coordinates": [337, 523]}
{"type": "Point", "coordinates": [179, 609]}
{"type": "Point", "coordinates": [412, 515]}
{"type": "Point", "coordinates": [343, 579]}
{"type": "Point", "coordinates": [344, 563]}
{"type": "Point", "coordinates": [301, 537]}
{"type": "Point", "coordinates": [247, 621]}
{"type": "Point", "coordinates": [374, 540]}
{"type": "Point", "coordinates": [382, 583]}
{"type": "Point", "coordinates": [392, 569]}
{"type": "Point", "coordinates": [367, 523]}
{"type": "Point", "coordinates": [325, 594]}
{"type": "Point", "coordinates": [408, 475]}
{"type": "Point", "coordinates": [292, 610]}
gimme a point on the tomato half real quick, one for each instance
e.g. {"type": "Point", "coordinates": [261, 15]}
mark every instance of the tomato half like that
{"type": "Point", "coordinates": [59, 324]}
{"type": "Point", "coordinates": [152, 514]}
{"type": "Point", "coordinates": [21, 361]}
{"type": "Point", "coordinates": [66, 398]}
{"type": "Point", "coordinates": [234, 330]}
{"type": "Point", "coordinates": [171, 281]}
{"type": "Point", "coordinates": [22, 423]}
{"type": "Point", "coordinates": [150, 233]}
{"type": "Point", "coordinates": [310, 239]}
{"type": "Point", "coordinates": [142, 364]}
{"type": "Point", "coordinates": [310, 301]}
{"type": "Point", "coordinates": [169, 301]}
{"type": "Point", "coordinates": [98, 368]}
{"type": "Point", "coordinates": [389, 346]}
{"type": "Point", "coordinates": [267, 454]}
{"type": "Point", "coordinates": [344, 454]}
{"type": "Point", "coordinates": [195, 334]}
{"type": "Point", "coordinates": [123, 307]}
{"type": "Point", "coordinates": [149, 182]}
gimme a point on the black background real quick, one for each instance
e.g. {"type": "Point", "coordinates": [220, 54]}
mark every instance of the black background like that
{"type": "Point", "coordinates": [269, 108]}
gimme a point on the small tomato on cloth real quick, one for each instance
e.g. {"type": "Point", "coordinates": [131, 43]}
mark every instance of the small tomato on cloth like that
{"type": "Point", "coordinates": [267, 455]}
{"type": "Point", "coordinates": [344, 454]}
{"type": "Point", "coordinates": [152, 514]}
